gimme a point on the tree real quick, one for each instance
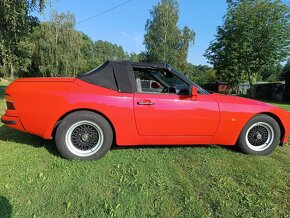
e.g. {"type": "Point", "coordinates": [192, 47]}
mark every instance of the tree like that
{"type": "Point", "coordinates": [87, 51]}
{"type": "Point", "coordinates": [201, 74]}
{"type": "Point", "coordinates": [134, 56]}
{"type": "Point", "coordinates": [286, 68]}
{"type": "Point", "coordinates": [57, 46]}
{"type": "Point", "coordinates": [163, 40]}
{"type": "Point", "coordinates": [272, 74]}
{"type": "Point", "coordinates": [16, 23]}
{"type": "Point", "coordinates": [96, 53]}
{"type": "Point", "coordinates": [254, 37]}
{"type": "Point", "coordinates": [104, 51]}
{"type": "Point", "coordinates": [59, 50]}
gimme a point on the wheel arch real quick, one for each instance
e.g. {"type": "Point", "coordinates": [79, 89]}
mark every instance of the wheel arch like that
{"type": "Point", "coordinates": [83, 109]}
{"type": "Point", "coordinates": [278, 120]}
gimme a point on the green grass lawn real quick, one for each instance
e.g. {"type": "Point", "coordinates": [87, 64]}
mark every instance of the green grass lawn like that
{"type": "Point", "coordinates": [140, 182]}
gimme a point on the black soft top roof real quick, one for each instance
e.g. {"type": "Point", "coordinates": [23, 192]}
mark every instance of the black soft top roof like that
{"type": "Point", "coordinates": [118, 75]}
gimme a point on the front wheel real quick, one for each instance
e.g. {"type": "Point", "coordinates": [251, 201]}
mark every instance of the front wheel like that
{"type": "Point", "coordinates": [260, 135]}
{"type": "Point", "coordinates": [84, 135]}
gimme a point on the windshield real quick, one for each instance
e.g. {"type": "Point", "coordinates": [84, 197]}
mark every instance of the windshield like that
{"type": "Point", "coordinates": [182, 76]}
{"type": "Point", "coordinates": [169, 78]}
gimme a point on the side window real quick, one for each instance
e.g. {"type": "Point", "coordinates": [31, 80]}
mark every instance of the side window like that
{"type": "Point", "coordinates": [158, 81]}
{"type": "Point", "coordinates": [170, 79]}
{"type": "Point", "coordinates": [146, 82]}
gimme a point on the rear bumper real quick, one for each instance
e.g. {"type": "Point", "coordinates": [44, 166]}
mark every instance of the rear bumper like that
{"type": "Point", "coordinates": [13, 122]}
{"type": "Point", "coordinates": [8, 122]}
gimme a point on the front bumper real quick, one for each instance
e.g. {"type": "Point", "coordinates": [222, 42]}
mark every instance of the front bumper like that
{"type": "Point", "coordinates": [13, 122]}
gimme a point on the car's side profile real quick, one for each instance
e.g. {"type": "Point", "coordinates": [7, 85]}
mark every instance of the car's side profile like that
{"type": "Point", "coordinates": [139, 104]}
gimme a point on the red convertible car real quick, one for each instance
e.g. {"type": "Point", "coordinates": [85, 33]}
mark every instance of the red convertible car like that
{"type": "Point", "coordinates": [139, 104]}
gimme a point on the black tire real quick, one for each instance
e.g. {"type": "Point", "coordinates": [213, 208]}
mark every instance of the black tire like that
{"type": "Point", "coordinates": [84, 135]}
{"type": "Point", "coordinates": [260, 136]}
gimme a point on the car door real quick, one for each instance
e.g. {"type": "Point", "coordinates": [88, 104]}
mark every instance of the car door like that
{"type": "Point", "coordinates": [164, 113]}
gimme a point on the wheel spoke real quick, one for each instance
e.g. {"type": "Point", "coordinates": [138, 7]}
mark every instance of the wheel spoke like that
{"type": "Point", "coordinates": [259, 136]}
{"type": "Point", "coordinates": [84, 137]}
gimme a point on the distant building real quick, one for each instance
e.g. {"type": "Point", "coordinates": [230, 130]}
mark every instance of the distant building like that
{"type": "Point", "coordinates": [264, 90]}
{"type": "Point", "coordinates": [243, 88]}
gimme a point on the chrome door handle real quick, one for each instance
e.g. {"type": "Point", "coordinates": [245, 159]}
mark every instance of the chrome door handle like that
{"type": "Point", "coordinates": [145, 103]}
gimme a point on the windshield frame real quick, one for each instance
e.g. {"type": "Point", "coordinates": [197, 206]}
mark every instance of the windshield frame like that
{"type": "Point", "coordinates": [187, 80]}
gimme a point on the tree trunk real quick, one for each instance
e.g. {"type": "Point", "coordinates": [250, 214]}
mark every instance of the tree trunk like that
{"type": "Point", "coordinates": [252, 90]}
{"type": "Point", "coordinates": [11, 71]}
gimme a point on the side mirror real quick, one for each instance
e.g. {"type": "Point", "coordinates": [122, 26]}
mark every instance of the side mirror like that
{"type": "Point", "coordinates": [194, 92]}
{"type": "Point", "coordinates": [182, 90]}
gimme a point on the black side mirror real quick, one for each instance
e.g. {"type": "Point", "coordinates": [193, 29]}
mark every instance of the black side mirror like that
{"type": "Point", "coordinates": [183, 90]}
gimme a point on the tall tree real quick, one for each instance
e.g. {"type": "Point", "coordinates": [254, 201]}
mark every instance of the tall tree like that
{"type": "Point", "coordinates": [16, 22]}
{"type": "Point", "coordinates": [57, 46]}
{"type": "Point", "coordinates": [254, 37]}
{"type": "Point", "coordinates": [59, 50]}
{"type": "Point", "coordinates": [164, 41]}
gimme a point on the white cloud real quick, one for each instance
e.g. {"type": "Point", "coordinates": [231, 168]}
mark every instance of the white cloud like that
{"type": "Point", "coordinates": [124, 34]}
{"type": "Point", "coordinates": [132, 42]}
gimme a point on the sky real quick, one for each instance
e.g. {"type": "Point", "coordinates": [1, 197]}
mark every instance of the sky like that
{"type": "Point", "coordinates": [125, 25]}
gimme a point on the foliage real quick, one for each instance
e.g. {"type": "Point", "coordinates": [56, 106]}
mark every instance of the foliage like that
{"type": "Point", "coordinates": [59, 50]}
{"type": "Point", "coordinates": [53, 48]}
{"type": "Point", "coordinates": [201, 74]}
{"type": "Point", "coordinates": [87, 51]}
{"type": "Point", "coordinates": [254, 37]}
{"type": "Point", "coordinates": [107, 51]}
{"type": "Point", "coordinates": [57, 46]}
{"type": "Point", "coordinates": [164, 41]}
{"type": "Point", "coordinates": [286, 68]}
{"type": "Point", "coordinates": [272, 74]}
{"type": "Point", "coordinates": [134, 57]}
{"type": "Point", "coordinates": [16, 23]}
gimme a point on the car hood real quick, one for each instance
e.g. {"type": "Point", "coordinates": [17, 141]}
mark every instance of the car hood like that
{"type": "Point", "coordinates": [240, 100]}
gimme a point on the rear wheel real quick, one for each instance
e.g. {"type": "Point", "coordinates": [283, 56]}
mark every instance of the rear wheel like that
{"type": "Point", "coordinates": [260, 135]}
{"type": "Point", "coordinates": [84, 135]}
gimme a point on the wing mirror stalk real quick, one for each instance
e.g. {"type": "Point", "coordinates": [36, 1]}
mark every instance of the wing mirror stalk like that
{"type": "Point", "coordinates": [194, 92]}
